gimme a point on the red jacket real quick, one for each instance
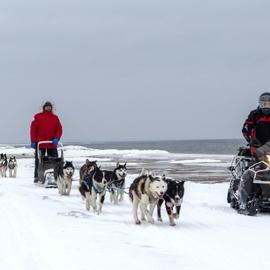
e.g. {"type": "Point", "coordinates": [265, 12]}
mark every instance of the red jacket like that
{"type": "Point", "coordinates": [46, 126]}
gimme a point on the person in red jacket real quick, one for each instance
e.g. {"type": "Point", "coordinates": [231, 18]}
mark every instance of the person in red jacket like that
{"type": "Point", "coordinates": [46, 126]}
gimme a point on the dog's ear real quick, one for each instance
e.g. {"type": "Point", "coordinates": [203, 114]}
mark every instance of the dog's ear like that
{"type": "Point", "coordinates": [143, 172]}
{"type": "Point", "coordinates": [125, 165]}
{"type": "Point", "coordinates": [117, 164]}
{"type": "Point", "coordinates": [163, 177]}
{"type": "Point", "coordinates": [87, 162]}
{"type": "Point", "coordinates": [151, 178]}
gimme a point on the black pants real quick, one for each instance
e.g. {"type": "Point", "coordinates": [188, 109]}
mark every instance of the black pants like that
{"type": "Point", "coordinates": [247, 188]}
{"type": "Point", "coordinates": [50, 152]}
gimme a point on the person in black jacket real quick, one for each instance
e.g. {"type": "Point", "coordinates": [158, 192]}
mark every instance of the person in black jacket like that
{"type": "Point", "coordinates": [256, 131]}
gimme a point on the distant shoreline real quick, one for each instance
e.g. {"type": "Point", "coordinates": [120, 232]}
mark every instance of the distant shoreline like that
{"type": "Point", "coordinates": [126, 141]}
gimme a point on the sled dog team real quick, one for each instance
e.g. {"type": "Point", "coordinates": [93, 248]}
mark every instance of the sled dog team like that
{"type": "Point", "coordinates": [8, 165]}
{"type": "Point", "coordinates": [146, 192]}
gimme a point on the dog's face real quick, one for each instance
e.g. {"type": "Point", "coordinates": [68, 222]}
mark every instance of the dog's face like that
{"type": "Point", "coordinates": [158, 186]}
{"type": "Point", "coordinates": [121, 171]}
{"type": "Point", "coordinates": [68, 169]}
{"type": "Point", "coordinates": [100, 177]}
{"type": "Point", "coordinates": [176, 191]}
{"type": "Point", "coordinates": [90, 166]}
{"type": "Point", "coordinates": [12, 160]}
{"type": "Point", "coordinates": [3, 159]}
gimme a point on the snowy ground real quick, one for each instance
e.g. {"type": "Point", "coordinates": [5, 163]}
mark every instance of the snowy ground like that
{"type": "Point", "coordinates": [41, 230]}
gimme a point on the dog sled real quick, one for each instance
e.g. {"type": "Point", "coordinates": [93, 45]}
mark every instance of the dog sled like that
{"type": "Point", "coordinates": [46, 165]}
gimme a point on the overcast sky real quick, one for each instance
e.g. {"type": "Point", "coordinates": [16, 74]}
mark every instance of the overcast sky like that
{"type": "Point", "coordinates": [133, 70]}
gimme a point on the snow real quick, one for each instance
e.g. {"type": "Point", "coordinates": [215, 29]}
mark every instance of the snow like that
{"type": "Point", "coordinates": [41, 230]}
{"type": "Point", "coordinates": [198, 160]}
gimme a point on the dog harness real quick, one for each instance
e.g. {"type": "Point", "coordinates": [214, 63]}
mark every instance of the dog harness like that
{"type": "Point", "coordinates": [87, 183]}
{"type": "Point", "coordinates": [96, 189]}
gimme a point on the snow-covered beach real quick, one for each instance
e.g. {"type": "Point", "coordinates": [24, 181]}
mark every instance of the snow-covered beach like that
{"type": "Point", "coordinates": [41, 230]}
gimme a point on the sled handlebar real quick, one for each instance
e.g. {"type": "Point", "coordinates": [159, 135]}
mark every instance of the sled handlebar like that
{"type": "Point", "coordinates": [60, 145]}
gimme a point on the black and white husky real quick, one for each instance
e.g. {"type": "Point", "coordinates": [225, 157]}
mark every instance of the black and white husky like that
{"type": "Point", "coordinates": [144, 192]}
{"type": "Point", "coordinates": [94, 185]}
{"type": "Point", "coordinates": [3, 165]}
{"type": "Point", "coordinates": [173, 200]}
{"type": "Point", "coordinates": [63, 174]}
{"type": "Point", "coordinates": [12, 167]}
{"type": "Point", "coordinates": [116, 185]}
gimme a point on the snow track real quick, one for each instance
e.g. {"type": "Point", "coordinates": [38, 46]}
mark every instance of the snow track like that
{"type": "Point", "coordinates": [41, 230]}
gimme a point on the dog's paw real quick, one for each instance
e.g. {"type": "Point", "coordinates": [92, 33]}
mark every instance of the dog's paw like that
{"type": "Point", "coordinates": [138, 222]}
{"type": "Point", "coordinates": [172, 224]}
{"type": "Point", "coordinates": [176, 216]}
{"type": "Point", "coordinates": [160, 219]}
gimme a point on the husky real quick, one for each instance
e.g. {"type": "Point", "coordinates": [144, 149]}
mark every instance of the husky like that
{"type": "Point", "coordinates": [116, 185]}
{"type": "Point", "coordinates": [145, 191]}
{"type": "Point", "coordinates": [173, 197]}
{"type": "Point", "coordinates": [3, 165]}
{"type": "Point", "coordinates": [12, 167]}
{"type": "Point", "coordinates": [63, 174]}
{"type": "Point", "coordinates": [93, 185]}
{"type": "Point", "coordinates": [86, 169]}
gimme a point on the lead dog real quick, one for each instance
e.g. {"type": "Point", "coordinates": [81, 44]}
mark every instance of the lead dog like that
{"type": "Point", "coordinates": [144, 192]}
{"type": "Point", "coordinates": [63, 174]}
{"type": "Point", "coordinates": [12, 167]}
{"type": "Point", "coordinates": [3, 165]}
{"type": "Point", "coordinates": [94, 185]}
{"type": "Point", "coordinates": [173, 199]}
{"type": "Point", "coordinates": [116, 185]}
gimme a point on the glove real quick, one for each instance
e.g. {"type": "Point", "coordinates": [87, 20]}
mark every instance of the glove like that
{"type": "Point", "coordinates": [254, 143]}
{"type": "Point", "coordinates": [33, 145]}
{"type": "Point", "coordinates": [55, 141]}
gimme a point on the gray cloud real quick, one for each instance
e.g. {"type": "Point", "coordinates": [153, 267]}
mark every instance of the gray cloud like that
{"type": "Point", "coordinates": [121, 70]}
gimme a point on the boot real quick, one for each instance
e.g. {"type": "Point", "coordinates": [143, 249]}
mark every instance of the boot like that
{"type": "Point", "coordinates": [248, 211]}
